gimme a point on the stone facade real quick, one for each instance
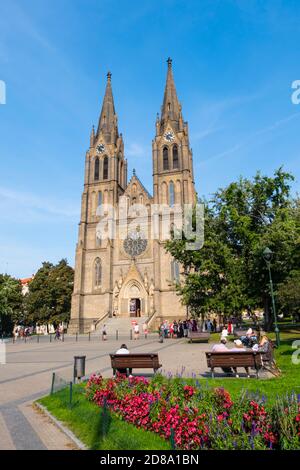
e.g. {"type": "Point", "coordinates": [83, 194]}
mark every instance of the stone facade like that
{"type": "Point", "coordinates": [124, 275]}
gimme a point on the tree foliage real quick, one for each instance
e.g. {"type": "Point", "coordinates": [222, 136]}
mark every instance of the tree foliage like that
{"type": "Point", "coordinates": [229, 273]}
{"type": "Point", "coordinates": [50, 291]}
{"type": "Point", "coordinates": [11, 302]}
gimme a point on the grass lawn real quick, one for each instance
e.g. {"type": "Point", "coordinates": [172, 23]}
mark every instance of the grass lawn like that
{"type": "Point", "coordinates": [87, 421]}
{"type": "Point", "coordinates": [289, 380]}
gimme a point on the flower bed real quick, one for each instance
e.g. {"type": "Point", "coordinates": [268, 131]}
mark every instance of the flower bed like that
{"type": "Point", "coordinates": [196, 417]}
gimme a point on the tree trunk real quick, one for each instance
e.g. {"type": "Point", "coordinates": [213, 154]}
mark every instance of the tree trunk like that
{"type": "Point", "coordinates": [268, 314]}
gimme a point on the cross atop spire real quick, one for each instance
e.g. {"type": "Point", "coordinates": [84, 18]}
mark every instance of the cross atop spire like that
{"type": "Point", "coordinates": [171, 107]}
{"type": "Point", "coordinates": [108, 118]}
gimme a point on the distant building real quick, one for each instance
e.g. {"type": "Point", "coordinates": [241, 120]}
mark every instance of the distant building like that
{"type": "Point", "coordinates": [25, 284]}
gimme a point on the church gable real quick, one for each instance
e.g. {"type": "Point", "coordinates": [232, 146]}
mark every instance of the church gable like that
{"type": "Point", "coordinates": [136, 192]}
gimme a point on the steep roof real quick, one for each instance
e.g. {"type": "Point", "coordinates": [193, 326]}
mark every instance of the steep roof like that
{"type": "Point", "coordinates": [171, 107]}
{"type": "Point", "coordinates": [108, 118]}
{"type": "Point", "coordinates": [136, 179]}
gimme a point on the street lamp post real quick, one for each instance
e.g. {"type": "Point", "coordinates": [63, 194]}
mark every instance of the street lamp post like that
{"type": "Point", "coordinates": [186, 272]}
{"type": "Point", "coordinates": [268, 255]}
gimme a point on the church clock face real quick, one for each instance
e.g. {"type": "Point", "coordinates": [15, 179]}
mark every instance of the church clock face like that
{"type": "Point", "coordinates": [100, 148]}
{"type": "Point", "coordinates": [169, 136]}
{"type": "Point", "coordinates": [135, 244]}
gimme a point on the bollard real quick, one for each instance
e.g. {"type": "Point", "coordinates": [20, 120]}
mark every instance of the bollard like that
{"type": "Point", "coordinates": [117, 335]}
{"type": "Point", "coordinates": [172, 439]}
{"type": "Point", "coordinates": [37, 338]}
{"type": "Point", "coordinates": [25, 339]}
{"type": "Point", "coordinates": [52, 383]}
{"type": "Point", "coordinates": [146, 335]}
{"type": "Point", "coordinates": [63, 337]}
{"type": "Point", "coordinates": [76, 337]}
{"type": "Point", "coordinates": [79, 367]}
{"type": "Point", "coordinates": [131, 334]}
{"type": "Point", "coordinates": [89, 336]}
{"type": "Point", "coordinates": [71, 393]}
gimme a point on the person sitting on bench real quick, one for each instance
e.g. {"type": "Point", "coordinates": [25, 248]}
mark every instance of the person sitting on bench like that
{"type": "Point", "coordinates": [239, 347]}
{"type": "Point", "coordinates": [221, 347]}
{"type": "Point", "coordinates": [123, 350]}
{"type": "Point", "coordinates": [250, 339]}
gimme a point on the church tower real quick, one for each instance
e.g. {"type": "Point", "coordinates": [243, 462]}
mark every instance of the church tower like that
{"type": "Point", "coordinates": [105, 181]}
{"type": "Point", "coordinates": [173, 186]}
{"type": "Point", "coordinates": [173, 178]}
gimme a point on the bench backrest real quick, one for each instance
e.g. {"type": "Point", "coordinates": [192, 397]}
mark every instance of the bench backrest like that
{"type": "Point", "coordinates": [123, 361]}
{"type": "Point", "coordinates": [199, 334]}
{"type": "Point", "coordinates": [238, 333]}
{"type": "Point", "coordinates": [233, 359]}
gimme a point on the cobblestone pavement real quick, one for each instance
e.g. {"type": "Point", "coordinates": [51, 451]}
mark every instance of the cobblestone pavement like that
{"type": "Point", "coordinates": [27, 376]}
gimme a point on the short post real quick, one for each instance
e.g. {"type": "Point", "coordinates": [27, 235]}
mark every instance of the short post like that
{"type": "Point", "coordinates": [172, 439]}
{"type": "Point", "coordinates": [37, 338]}
{"type": "Point", "coordinates": [25, 339]}
{"type": "Point", "coordinates": [76, 337]}
{"type": "Point", "coordinates": [89, 336]}
{"type": "Point", "coordinates": [71, 393]}
{"type": "Point", "coordinates": [117, 335]}
{"type": "Point", "coordinates": [131, 334]}
{"type": "Point", "coordinates": [50, 337]}
{"type": "Point", "coordinates": [52, 383]}
{"type": "Point", "coordinates": [79, 367]}
{"type": "Point", "coordinates": [105, 418]}
{"type": "Point", "coordinates": [63, 337]}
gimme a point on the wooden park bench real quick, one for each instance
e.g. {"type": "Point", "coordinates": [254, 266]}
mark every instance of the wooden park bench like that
{"type": "Point", "coordinates": [238, 333]}
{"type": "Point", "coordinates": [134, 361]}
{"type": "Point", "coordinates": [230, 359]}
{"type": "Point", "coordinates": [200, 337]}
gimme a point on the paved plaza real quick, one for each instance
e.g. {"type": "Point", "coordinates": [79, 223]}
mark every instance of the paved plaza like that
{"type": "Point", "coordinates": [27, 376]}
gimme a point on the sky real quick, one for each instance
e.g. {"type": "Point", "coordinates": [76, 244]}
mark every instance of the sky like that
{"type": "Point", "coordinates": [234, 62]}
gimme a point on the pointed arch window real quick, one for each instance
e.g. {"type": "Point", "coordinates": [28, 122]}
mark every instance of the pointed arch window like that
{"type": "Point", "coordinates": [175, 157]}
{"type": "Point", "coordinates": [171, 194]}
{"type": "Point", "coordinates": [96, 172]}
{"type": "Point", "coordinates": [99, 198]}
{"type": "Point", "coordinates": [105, 168]}
{"type": "Point", "coordinates": [98, 272]}
{"type": "Point", "coordinates": [165, 158]}
{"type": "Point", "coordinates": [175, 274]}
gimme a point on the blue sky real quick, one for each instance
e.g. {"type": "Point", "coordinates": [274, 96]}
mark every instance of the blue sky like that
{"type": "Point", "coordinates": [234, 63]}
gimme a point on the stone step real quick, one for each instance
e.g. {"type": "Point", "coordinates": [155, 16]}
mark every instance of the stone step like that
{"type": "Point", "coordinates": [123, 325]}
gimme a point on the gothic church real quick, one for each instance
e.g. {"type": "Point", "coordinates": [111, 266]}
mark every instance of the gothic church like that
{"type": "Point", "coordinates": [135, 276]}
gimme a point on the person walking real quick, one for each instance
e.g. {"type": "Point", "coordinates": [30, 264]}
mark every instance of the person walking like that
{"type": "Point", "coordinates": [104, 333]}
{"type": "Point", "coordinates": [57, 333]}
{"type": "Point", "coordinates": [145, 328]}
{"type": "Point", "coordinates": [136, 330]}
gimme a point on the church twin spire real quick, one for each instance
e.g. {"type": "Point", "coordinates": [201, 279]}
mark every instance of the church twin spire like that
{"type": "Point", "coordinates": [108, 118]}
{"type": "Point", "coordinates": [171, 108]}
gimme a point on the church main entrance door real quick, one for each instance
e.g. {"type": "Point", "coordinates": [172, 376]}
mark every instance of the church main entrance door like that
{"type": "Point", "coordinates": [135, 307]}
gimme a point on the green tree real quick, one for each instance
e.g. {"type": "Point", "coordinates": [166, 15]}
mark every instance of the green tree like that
{"type": "Point", "coordinates": [49, 296]}
{"type": "Point", "coordinates": [11, 303]}
{"type": "Point", "coordinates": [229, 274]}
